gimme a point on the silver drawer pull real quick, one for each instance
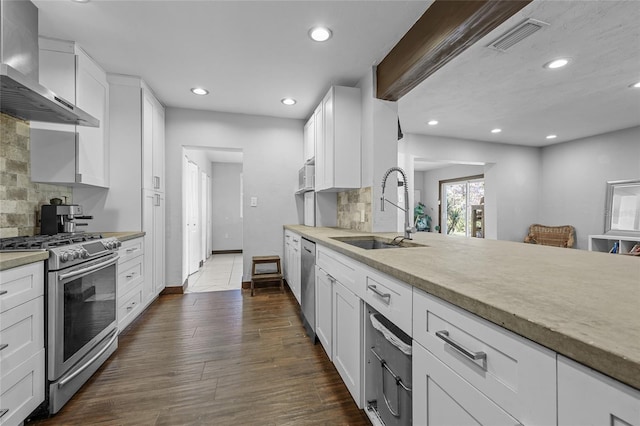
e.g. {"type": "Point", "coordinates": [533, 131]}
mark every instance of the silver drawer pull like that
{"type": "Point", "coordinates": [130, 276]}
{"type": "Point", "coordinates": [4, 346]}
{"type": "Point", "coordinates": [379, 293]}
{"type": "Point", "coordinates": [3, 411]}
{"type": "Point", "coordinates": [131, 250]}
{"type": "Point", "coordinates": [3, 292]}
{"type": "Point", "coordinates": [444, 335]}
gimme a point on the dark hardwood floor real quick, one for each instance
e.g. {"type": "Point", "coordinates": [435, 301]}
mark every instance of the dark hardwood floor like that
{"type": "Point", "coordinates": [220, 358]}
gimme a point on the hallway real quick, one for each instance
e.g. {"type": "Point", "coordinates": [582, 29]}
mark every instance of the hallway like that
{"type": "Point", "coordinates": [220, 272]}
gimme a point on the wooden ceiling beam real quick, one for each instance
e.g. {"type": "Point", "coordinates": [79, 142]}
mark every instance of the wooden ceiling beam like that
{"type": "Point", "coordinates": [444, 31]}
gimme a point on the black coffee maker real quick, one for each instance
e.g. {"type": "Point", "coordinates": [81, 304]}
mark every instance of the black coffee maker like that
{"type": "Point", "coordinates": [61, 218]}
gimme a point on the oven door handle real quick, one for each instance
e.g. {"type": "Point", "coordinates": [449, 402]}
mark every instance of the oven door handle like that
{"type": "Point", "coordinates": [92, 268]}
{"type": "Point", "coordinates": [93, 359]}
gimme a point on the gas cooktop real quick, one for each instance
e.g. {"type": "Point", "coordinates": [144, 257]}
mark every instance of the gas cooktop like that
{"type": "Point", "coordinates": [46, 241]}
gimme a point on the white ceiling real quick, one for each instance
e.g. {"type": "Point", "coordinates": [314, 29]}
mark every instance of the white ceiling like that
{"type": "Point", "coordinates": [483, 89]}
{"type": "Point", "coordinates": [251, 54]}
{"type": "Point", "coordinates": [248, 54]}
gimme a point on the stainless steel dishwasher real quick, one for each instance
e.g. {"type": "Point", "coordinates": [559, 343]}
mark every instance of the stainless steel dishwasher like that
{"type": "Point", "coordinates": [308, 289]}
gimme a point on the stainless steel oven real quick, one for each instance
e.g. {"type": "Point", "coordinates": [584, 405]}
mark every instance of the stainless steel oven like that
{"type": "Point", "coordinates": [82, 328]}
{"type": "Point", "coordinates": [80, 309]}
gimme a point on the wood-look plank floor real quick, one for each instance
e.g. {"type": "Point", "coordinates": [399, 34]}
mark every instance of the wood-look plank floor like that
{"type": "Point", "coordinates": [221, 358]}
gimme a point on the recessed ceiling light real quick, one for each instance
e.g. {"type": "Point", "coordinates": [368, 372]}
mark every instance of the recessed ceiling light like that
{"type": "Point", "coordinates": [288, 101]}
{"type": "Point", "coordinates": [199, 91]}
{"type": "Point", "coordinates": [320, 33]}
{"type": "Point", "coordinates": [496, 130]}
{"type": "Point", "coordinates": [552, 136]}
{"type": "Point", "coordinates": [557, 63]}
{"type": "Point", "coordinates": [432, 122]}
{"type": "Point", "coordinates": [636, 85]}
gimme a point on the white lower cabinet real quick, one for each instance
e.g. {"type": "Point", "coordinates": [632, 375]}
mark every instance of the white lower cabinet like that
{"type": "Point", "coordinates": [347, 336]}
{"type": "Point", "coordinates": [21, 342]}
{"type": "Point", "coordinates": [441, 397]}
{"type": "Point", "coordinates": [153, 221]}
{"type": "Point", "coordinates": [516, 374]}
{"type": "Point", "coordinates": [324, 310]}
{"type": "Point", "coordinates": [586, 397]}
{"type": "Point", "coordinates": [292, 262]}
{"type": "Point", "coordinates": [131, 278]}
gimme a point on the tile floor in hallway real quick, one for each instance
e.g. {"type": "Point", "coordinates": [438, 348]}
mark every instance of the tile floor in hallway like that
{"type": "Point", "coordinates": [219, 272]}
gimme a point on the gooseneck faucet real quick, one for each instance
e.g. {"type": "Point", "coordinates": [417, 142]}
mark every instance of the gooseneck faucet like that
{"type": "Point", "coordinates": [408, 228]}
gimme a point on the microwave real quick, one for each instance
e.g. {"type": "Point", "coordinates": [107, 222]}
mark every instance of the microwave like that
{"type": "Point", "coordinates": [306, 178]}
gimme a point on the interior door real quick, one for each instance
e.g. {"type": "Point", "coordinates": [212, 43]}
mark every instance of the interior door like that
{"type": "Point", "coordinates": [193, 220]}
{"type": "Point", "coordinates": [203, 216]}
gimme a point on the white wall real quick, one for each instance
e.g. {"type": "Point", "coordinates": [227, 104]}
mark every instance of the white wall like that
{"type": "Point", "coordinates": [226, 220]}
{"type": "Point", "coordinates": [272, 152]}
{"type": "Point", "coordinates": [431, 185]}
{"type": "Point", "coordinates": [512, 179]}
{"type": "Point", "coordinates": [574, 177]}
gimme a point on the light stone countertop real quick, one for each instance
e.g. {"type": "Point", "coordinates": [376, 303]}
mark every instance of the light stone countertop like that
{"type": "Point", "coordinates": [584, 305]}
{"type": "Point", "coordinates": [18, 258]}
{"type": "Point", "coordinates": [124, 236]}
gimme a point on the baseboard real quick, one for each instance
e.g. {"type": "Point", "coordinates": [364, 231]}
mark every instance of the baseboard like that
{"type": "Point", "coordinates": [178, 289]}
{"type": "Point", "coordinates": [226, 251]}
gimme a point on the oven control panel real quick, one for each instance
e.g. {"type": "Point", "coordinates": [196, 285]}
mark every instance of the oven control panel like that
{"type": "Point", "coordinates": [73, 254]}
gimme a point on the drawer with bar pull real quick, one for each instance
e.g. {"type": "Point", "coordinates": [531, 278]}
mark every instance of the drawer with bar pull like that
{"type": "Point", "coordinates": [516, 373]}
{"type": "Point", "coordinates": [391, 297]}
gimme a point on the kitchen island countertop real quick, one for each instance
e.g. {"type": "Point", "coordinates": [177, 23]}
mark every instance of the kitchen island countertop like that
{"type": "Point", "coordinates": [583, 305]}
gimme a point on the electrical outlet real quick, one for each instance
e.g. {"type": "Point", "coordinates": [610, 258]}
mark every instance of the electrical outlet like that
{"type": "Point", "coordinates": [254, 201]}
{"type": "Point", "coordinates": [361, 215]}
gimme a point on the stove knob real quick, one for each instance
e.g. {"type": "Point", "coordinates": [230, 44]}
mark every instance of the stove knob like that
{"type": "Point", "coordinates": [84, 253]}
{"type": "Point", "coordinates": [118, 244]}
{"type": "Point", "coordinates": [64, 257]}
{"type": "Point", "coordinates": [75, 254]}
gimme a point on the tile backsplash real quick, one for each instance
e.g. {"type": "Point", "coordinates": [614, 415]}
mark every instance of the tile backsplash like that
{"type": "Point", "coordinates": [20, 199]}
{"type": "Point", "coordinates": [351, 204]}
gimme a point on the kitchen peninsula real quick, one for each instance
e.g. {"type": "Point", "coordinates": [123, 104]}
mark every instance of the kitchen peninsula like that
{"type": "Point", "coordinates": [580, 304]}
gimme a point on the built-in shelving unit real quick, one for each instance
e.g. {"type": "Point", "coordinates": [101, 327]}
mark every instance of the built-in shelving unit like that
{"type": "Point", "coordinates": [606, 243]}
{"type": "Point", "coordinates": [477, 221]}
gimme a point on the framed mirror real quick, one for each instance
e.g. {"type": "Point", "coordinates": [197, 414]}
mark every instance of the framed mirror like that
{"type": "Point", "coordinates": [622, 209]}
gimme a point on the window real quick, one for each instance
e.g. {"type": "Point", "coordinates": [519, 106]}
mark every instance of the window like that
{"type": "Point", "coordinates": [457, 198]}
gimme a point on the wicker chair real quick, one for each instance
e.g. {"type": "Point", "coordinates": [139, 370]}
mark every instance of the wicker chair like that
{"type": "Point", "coordinates": [557, 236]}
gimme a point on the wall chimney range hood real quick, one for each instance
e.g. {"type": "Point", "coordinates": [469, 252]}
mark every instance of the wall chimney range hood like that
{"type": "Point", "coordinates": [21, 95]}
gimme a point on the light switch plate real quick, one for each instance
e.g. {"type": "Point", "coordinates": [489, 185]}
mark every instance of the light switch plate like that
{"type": "Point", "coordinates": [254, 201]}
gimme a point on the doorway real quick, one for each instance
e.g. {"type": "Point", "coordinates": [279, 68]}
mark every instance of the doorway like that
{"type": "Point", "coordinates": [459, 201]}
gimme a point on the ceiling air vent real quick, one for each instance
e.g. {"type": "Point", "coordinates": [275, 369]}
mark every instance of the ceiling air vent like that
{"type": "Point", "coordinates": [517, 34]}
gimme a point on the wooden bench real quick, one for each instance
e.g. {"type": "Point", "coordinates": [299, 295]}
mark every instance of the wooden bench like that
{"type": "Point", "coordinates": [266, 276]}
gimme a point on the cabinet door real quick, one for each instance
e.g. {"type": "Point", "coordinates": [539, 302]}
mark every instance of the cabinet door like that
{"type": "Point", "coordinates": [318, 118]}
{"type": "Point", "coordinates": [441, 397]}
{"type": "Point", "coordinates": [153, 217]}
{"type": "Point", "coordinates": [92, 95]}
{"type": "Point", "coordinates": [147, 140]}
{"type": "Point", "coordinates": [327, 164]}
{"type": "Point", "coordinates": [324, 290]}
{"type": "Point", "coordinates": [347, 330]}
{"type": "Point", "coordinates": [586, 398]}
{"type": "Point", "coordinates": [158, 147]}
{"type": "Point", "coordinates": [309, 148]}
{"type": "Point", "coordinates": [158, 243]}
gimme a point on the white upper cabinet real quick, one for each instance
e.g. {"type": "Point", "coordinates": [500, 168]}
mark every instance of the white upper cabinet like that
{"type": "Point", "coordinates": [337, 123]}
{"type": "Point", "coordinates": [309, 147]}
{"type": "Point", "coordinates": [152, 142]}
{"type": "Point", "coordinates": [66, 154]}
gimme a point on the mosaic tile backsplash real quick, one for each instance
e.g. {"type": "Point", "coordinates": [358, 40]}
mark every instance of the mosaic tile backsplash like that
{"type": "Point", "coordinates": [20, 199]}
{"type": "Point", "coordinates": [350, 205]}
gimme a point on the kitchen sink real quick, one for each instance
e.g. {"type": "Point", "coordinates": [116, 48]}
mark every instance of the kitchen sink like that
{"type": "Point", "coordinates": [371, 242]}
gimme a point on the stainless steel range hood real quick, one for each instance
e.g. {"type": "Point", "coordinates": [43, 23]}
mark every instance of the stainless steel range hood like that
{"type": "Point", "coordinates": [21, 95]}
